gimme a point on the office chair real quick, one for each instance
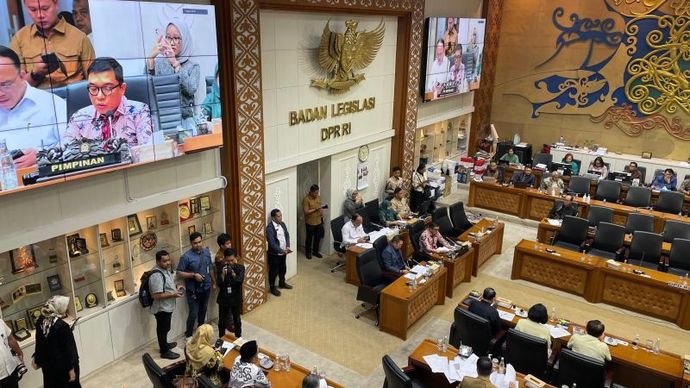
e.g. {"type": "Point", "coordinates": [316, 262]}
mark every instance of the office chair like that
{"type": "Point", "coordinates": [608, 191]}
{"type": "Point", "coordinates": [598, 214]}
{"type": "Point", "coordinates": [204, 382]}
{"type": "Point", "coordinates": [440, 218]}
{"type": "Point", "coordinates": [371, 216]}
{"type": "Point", "coordinates": [575, 368]}
{"type": "Point", "coordinates": [572, 234]}
{"type": "Point", "coordinates": [608, 241]}
{"type": "Point", "coordinates": [645, 249]}
{"type": "Point", "coordinates": [676, 229]}
{"type": "Point", "coordinates": [639, 222]}
{"type": "Point", "coordinates": [396, 377]}
{"type": "Point", "coordinates": [669, 202]}
{"type": "Point", "coordinates": [459, 217]}
{"type": "Point", "coordinates": [472, 330]}
{"type": "Point", "coordinates": [425, 208]}
{"type": "Point", "coordinates": [638, 196]}
{"type": "Point", "coordinates": [641, 169]}
{"type": "Point", "coordinates": [337, 234]}
{"type": "Point", "coordinates": [209, 83]}
{"type": "Point", "coordinates": [579, 185]}
{"type": "Point", "coordinates": [542, 158]}
{"type": "Point", "coordinates": [679, 260]}
{"type": "Point", "coordinates": [166, 89]}
{"type": "Point", "coordinates": [528, 354]}
{"type": "Point", "coordinates": [159, 377]}
{"type": "Point", "coordinates": [416, 231]}
{"type": "Point", "coordinates": [372, 282]}
{"type": "Point", "coordinates": [61, 92]}
{"type": "Point", "coordinates": [379, 245]}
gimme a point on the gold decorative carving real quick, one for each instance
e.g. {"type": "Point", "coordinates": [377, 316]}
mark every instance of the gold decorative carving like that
{"type": "Point", "coordinates": [340, 55]}
{"type": "Point", "coordinates": [625, 119]}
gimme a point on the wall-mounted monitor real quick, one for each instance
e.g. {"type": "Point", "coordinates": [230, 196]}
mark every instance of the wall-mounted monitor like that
{"type": "Point", "coordinates": [453, 56]}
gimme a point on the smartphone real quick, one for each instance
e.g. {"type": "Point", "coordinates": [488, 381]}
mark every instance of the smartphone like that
{"type": "Point", "coordinates": [52, 61]}
{"type": "Point", "coordinates": [219, 343]}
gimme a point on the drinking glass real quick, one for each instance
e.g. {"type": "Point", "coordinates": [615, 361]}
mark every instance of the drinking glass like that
{"type": "Point", "coordinates": [287, 364]}
{"type": "Point", "coordinates": [276, 363]}
{"type": "Point", "coordinates": [649, 345]}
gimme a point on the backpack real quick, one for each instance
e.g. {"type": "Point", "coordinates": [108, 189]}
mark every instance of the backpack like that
{"type": "Point", "coordinates": [145, 296]}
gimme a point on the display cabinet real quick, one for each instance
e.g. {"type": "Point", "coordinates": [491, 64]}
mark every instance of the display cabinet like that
{"type": "Point", "coordinates": [445, 139]}
{"type": "Point", "coordinates": [200, 214]}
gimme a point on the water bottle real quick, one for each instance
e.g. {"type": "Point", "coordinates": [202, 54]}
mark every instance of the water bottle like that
{"type": "Point", "coordinates": [502, 367]}
{"type": "Point", "coordinates": [314, 371]}
{"type": "Point", "coordinates": [8, 173]}
{"type": "Point", "coordinates": [445, 344]}
{"type": "Point", "coordinates": [657, 346]}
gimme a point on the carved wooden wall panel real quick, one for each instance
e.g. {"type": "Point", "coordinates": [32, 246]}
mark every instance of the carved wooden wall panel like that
{"type": "Point", "coordinates": [497, 200]}
{"type": "Point", "coordinates": [640, 297]}
{"type": "Point", "coordinates": [554, 274]}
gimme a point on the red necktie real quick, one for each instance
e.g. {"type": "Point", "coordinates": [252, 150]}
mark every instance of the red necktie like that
{"type": "Point", "coordinates": [105, 128]}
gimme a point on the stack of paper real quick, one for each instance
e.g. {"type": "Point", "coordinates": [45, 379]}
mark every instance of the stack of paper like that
{"type": "Point", "coordinates": [558, 331]}
{"type": "Point", "coordinates": [504, 380]}
{"type": "Point", "coordinates": [553, 222]}
{"type": "Point", "coordinates": [365, 245]}
{"type": "Point", "coordinates": [506, 316]}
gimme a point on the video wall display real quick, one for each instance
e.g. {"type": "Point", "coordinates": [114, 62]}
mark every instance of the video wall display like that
{"type": "Point", "coordinates": [104, 84]}
{"type": "Point", "coordinates": [453, 56]}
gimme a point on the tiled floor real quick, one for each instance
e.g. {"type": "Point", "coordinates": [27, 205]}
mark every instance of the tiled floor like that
{"type": "Point", "coordinates": [315, 321]}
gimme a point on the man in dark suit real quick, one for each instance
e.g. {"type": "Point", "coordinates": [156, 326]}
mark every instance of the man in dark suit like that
{"type": "Point", "coordinates": [230, 277]}
{"type": "Point", "coordinates": [485, 309]}
{"type": "Point", "coordinates": [525, 177]}
{"type": "Point", "coordinates": [563, 208]}
{"type": "Point", "coordinates": [278, 239]}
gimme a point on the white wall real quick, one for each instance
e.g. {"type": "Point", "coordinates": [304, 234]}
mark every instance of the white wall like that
{"type": "Point", "coordinates": [281, 193]}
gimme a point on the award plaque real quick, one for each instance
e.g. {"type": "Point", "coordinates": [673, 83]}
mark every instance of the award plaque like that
{"type": "Point", "coordinates": [205, 202]}
{"type": "Point", "coordinates": [110, 296]}
{"type": "Point", "coordinates": [104, 240]}
{"type": "Point", "coordinates": [148, 241]}
{"type": "Point", "coordinates": [20, 324]}
{"type": "Point", "coordinates": [151, 222]}
{"type": "Point", "coordinates": [120, 288]}
{"type": "Point", "coordinates": [191, 229]}
{"type": "Point", "coordinates": [21, 334]}
{"type": "Point", "coordinates": [18, 294]}
{"type": "Point", "coordinates": [133, 225]}
{"type": "Point", "coordinates": [116, 263]}
{"type": "Point", "coordinates": [81, 245]}
{"type": "Point", "coordinates": [116, 235]}
{"type": "Point", "coordinates": [185, 212]}
{"type": "Point", "coordinates": [77, 303]}
{"type": "Point", "coordinates": [23, 259]}
{"type": "Point", "coordinates": [165, 220]}
{"type": "Point", "coordinates": [54, 283]}
{"type": "Point", "coordinates": [208, 229]}
{"type": "Point", "coordinates": [33, 314]}
{"type": "Point", "coordinates": [194, 206]}
{"type": "Point", "coordinates": [72, 245]}
{"type": "Point", "coordinates": [52, 256]}
{"type": "Point", "coordinates": [91, 300]}
{"type": "Point", "coordinates": [33, 288]}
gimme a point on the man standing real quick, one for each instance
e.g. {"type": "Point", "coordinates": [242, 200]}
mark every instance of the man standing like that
{"type": "Point", "coordinates": [82, 16]}
{"type": "Point", "coordinates": [278, 239]}
{"type": "Point", "coordinates": [53, 53]}
{"type": "Point", "coordinates": [165, 294]}
{"type": "Point", "coordinates": [224, 242]}
{"type": "Point", "coordinates": [353, 232]}
{"type": "Point", "coordinates": [195, 267]}
{"type": "Point", "coordinates": [229, 278]}
{"type": "Point", "coordinates": [29, 117]}
{"type": "Point", "coordinates": [111, 114]}
{"type": "Point", "coordinates": [392, 257]}
{"type": "Point", "coordinates": [9, 375]}
{"type": "Point", "coordinates": [313, 211]}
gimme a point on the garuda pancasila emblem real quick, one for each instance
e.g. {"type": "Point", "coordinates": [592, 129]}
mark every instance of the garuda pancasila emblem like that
{"type": "Point", "coordinates": [341, 55]}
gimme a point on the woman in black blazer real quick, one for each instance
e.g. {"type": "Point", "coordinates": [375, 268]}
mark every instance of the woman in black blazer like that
{"type": "Point", "coordinates": [56, 352]}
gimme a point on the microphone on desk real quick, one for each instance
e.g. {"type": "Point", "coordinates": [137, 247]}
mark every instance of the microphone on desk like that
{"type": "Point", "coordinates": [642, 257]}
{"type": "Point", "coordinates": [377, 225]}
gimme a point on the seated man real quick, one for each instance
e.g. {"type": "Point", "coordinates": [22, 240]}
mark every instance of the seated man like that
{"type": "Point", "coordinates": [552, 181]}
{"type": "Point", "coordinates": [111, 114]}
{"type": "Point", "coordinates": [525, 177]}
{"type": "Point", "coordinates": [635, 173]}
{"type": "Point", "coordinates": [245, 372]}
{"type": "Point", "coordinates": [563, 208]}
{"type": "Point", "coordinates": [392, 257]}
{"type": "Point", "coordinates": [29, 116]}
{"type": "Point", "coordinates": [484, 369]}
{"type": "Point", "coordinates": [485, 309]}
{"type": "Point", "coordinates": [353, 232]}
{"type": "Point", "coordinates": [400, 203]}
{"type": "Point", "coordinates": [493, 171]}
{"type": "Point", "coordinates": [591, 344]}
{"type": "Point", "coordinates": [430, 239]}
{"type": "Point", "coordinates": [665, 181]}
{"type": "Point", "coordinates": [685, 186]}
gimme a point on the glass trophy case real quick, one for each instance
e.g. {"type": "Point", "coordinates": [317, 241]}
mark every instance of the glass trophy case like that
{"type": "Point", "coordinates": [445, 139]}
{"type": "Point", "coordinates": [101, 265]}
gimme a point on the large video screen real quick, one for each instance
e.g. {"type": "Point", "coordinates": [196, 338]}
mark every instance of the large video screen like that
{"type": "Point", "coordinates": [453, 55]}
{"type": "Point", "coordinates": [100, 85]}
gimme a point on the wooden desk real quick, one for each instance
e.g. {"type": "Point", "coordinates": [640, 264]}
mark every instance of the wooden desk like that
{"type": "Point", "coordinates": [280, 379]}
{"type": "Point", "coordinates": [631, 367]}
{"type": "Point", "coordinates": [459, 269]}
{"type": "Point", "coordinates": [592, 278]}
{"type": "Point", "coordinates": [493, 196]}
{"type": "Point", "coordinates": [423, 372]}
{"type": "Point", "coordinates": [488, 246]}
{"type": "Point", "coordinates": [351, 275]}
{"type": "Point", "coordinates": [512, 169]}
{"type": "Point", "coordinates": [401, 306]}
{"type": "Point", "coordinates": [546, 231]}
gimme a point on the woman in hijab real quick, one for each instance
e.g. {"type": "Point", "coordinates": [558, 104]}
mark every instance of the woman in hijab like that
{"type": "Point", "coordinates": [211, 104]}
{"type": "Point", "coordinates": [172, 54]}
{"type": "Point", "coordinates": [56, 352]}
{"type": "Point", "coordinates": [386, 214]}
{"type": "Point", "coordinates": [353, 202]}
{"type": "Point", "coordinates": [202, 358]}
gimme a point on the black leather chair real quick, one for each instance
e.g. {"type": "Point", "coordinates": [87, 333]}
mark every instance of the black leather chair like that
{"type": "Point", "coordinates": [645, 249]}
{"type": "Point", "coordinates": [676, 229]}
{"type": "Point", "coordinates": [472, 330]}
{"type": "Point", "coordinates": [575, 368]}
{"type": "Point", "coordinates": [60, 91]}
{"type": "Point", "coordinates": [639, 222]}
{"type": "Point", "coordinates": [669, 202]}
{"type": "Point", "coordinates": [440, 218]}
{"type": "Point", "coordinates": [379, 245]}
{"type": "Point", "coordinates": [416, 231]}
{"type": "Point", "coordinates": [597, 214]}
{"type": "Point", "coordinates": [337, 233]}
{"type": "Point", "coordinates": [205, 382]}
{"type": "Point", "coordinates": [572, 234]}
{"type": "Point", "coordinates": [542, 158]}
{"type": "Point", "coordinates": [642, 169]}
{"type": "Point", "coordinates": [528, 354]}
{"type": "Point", "coordinates": [608, 241]}
{"type": "Point", "coordinates": [425, 208]}
{"type": "Point", "coordinates": [638, 196]}
{"type": "Point", "coordinates": [459, 217]}
{"type": "Point", "coordinates": [370, 213]}
{"type": "Point", "coordinates": [679, 259]}
{"type": "Point", "coordinates": [608, 191]}
{"type": "Point", "coordinates": [579, 185]}
{"type": "Point", "coordinates": [159, 377]}
{"type": "Point", "coordinates": [372, 282]}
{"type": "Point", "coordinates": [166, 88]}
{"type": "Point", "coordinates": [396, 377]}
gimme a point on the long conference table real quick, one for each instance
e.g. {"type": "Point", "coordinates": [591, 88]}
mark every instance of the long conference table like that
{"type": "Point", "coordinates": [653, 293]}
{"type": "Point", "coordinates": [631, 367]}
{"type": "Point", "coordinates": [535, 205]}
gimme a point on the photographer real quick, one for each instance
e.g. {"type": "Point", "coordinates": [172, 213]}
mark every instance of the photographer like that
{"type": "Point", "coordinates": [230, 277]}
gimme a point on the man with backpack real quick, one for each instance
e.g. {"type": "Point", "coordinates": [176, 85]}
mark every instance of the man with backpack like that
{"type": "Point", "coordinates": [164, 296]}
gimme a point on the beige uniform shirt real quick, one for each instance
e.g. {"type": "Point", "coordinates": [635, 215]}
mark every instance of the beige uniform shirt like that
{"type": "Point", "coordinates": [400, 206]}
{"type": "Point", "coordinates": [589, 346]}
{"type": "Point", "coordinates": [309, 203]}
{"type": "Point", "coordinates": [70, 45]}
{"type": "Point", "coordinates": [536, 329]}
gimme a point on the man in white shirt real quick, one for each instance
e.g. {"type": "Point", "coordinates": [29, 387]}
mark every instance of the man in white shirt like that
{"type": "Point", "coordinates": [9, 377]}
{"type": "Point", "coordinates": [353, 232]}
{"type": "Point", "coordinates": [278, 240]}
{"type": "Point", "coordinates": [438, 74]}
{"type": "Point", "coordinates": [29, 117]}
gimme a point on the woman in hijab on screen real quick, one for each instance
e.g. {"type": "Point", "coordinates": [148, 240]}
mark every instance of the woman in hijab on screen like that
{"type": "Point", "coordinates": [56, 352]}
{"type": "Point", "coordinates": [172, 54]}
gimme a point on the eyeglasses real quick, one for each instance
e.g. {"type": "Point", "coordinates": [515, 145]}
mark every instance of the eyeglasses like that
{"type": "Point", "coordinates": [173, 39]}
{"type": "Point", "coordinates": [8, 85]}
{"type": "Point", "coordinates": [106, 90]}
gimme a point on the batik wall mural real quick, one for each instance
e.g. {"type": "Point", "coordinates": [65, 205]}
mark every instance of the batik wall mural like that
{"type": "Point", "coordinates": [609, 72]}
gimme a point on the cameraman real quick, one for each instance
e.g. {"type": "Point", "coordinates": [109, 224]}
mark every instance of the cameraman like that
{"type": "Point", "coordinates": [230, 276]}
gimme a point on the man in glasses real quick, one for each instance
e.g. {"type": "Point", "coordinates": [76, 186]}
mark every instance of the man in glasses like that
{"type": "Point", "coordinates": [111, 114]}
{"type": "Point", "coordinates": [28, 116]}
